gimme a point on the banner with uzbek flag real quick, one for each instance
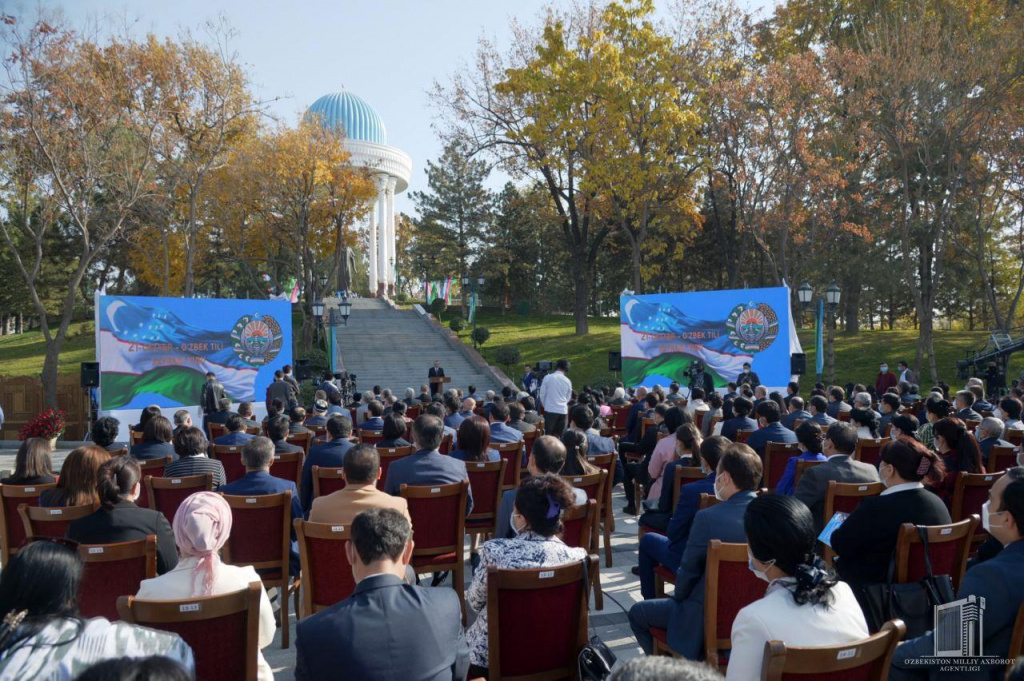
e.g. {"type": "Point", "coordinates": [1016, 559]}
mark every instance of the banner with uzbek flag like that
{"type": "Point", "coordinates": [158, 350]}
{"type": "Point", "coordinates": [664, 334]}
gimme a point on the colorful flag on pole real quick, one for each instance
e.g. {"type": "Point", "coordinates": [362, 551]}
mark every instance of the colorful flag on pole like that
{"type": "Point", "coordinates": [472, 308]}
{"type": "Point", "coordinates": [819, 346]}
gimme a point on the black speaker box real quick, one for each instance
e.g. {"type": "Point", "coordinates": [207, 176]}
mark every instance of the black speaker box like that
{"type": "Point", "coordinates": [90, 374]}
{"type": "Point", "coordinates": [302, 370]}
{"type": "Point", "coordinates": [798, 363]}
{"type": "Point", "coordinates": [614, 361]}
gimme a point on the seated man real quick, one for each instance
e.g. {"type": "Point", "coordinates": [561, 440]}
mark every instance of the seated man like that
{"type": "Point", "coordinates": [840, 443]}
{"type": "Point", "coordinates": [334, 405]}
{"type": "Point", "coordinates": [223, 412]}
{"type": "Point", "coordinates": [696, 402]}
{"type": "Point", "coordinates": [298, 417]}
{"type": "Point", "coordinates": [258, 457]}
{"type": "Point", "coordinates": [796, 412]}
{"type": "Point", "coordinates": [236, 434]}
{"type": "Point", "coordinates": [996, 580]}
{"type": "Point", "coordinates": [375, 411]}
{"type": "Point", "coordinates": [530, 414]}
{"type": "Point", "coordinates": [988, 433]}
{"type": "Point", "coordinates": [319, 417]}
{"type": "Point", "coordinates": [964, 405]}
{"type": "Point", "coordinates": [515, 418]}
{"type": "Point", "coordinates": [500, 430]}
{"type": "Point", "coordinates": [427, 466]}
{"type": "Point", "coordinates": [819, 408]}
{"type": "Point", "coordinates": [862, 400]}
{"type": "Point", "coordinates": [837, 402]}
{"type": "Point", "coordinates": [361, 472]}
{"type": "Point", "coordinates": [980, 403]}
{"type": "Point", "coordinates": [771, 430]}
{"type": "Point", "coordinates": [331, 454]}
{"type": "Point", "coordinates": [468, 407]}
{"type": "Point", "coordinates": [667, 549]}
{"type": "Point", "coordinates": [182, 419]}
{"type": "Point", "coordinates": [739, 473]}
{"type": "Point", "coordinates": [414, 632]}
{"type": "Point", "coordinates": [889, 403]}
{"type": "Point", "coordinates": [277, 431]}
{"type": "Point", "coordinates": [438, 410]}
{"type": "Point", "coordinates": [424, 397]}
{"type": "Point", "coordinates": [453, 418]}
{"type": "Point", "coordinates": [581, 418]}
{"type": "Point", "coordinates": [741, 408]}
{"type": "Point", "coordinates": [246, 412]}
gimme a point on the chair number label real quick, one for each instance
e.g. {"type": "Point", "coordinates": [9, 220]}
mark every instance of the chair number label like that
{"type": "Point", "coordinates": [846, 654]}
{"type": "Point", "coordinates": [175, 481]}
{"type": "Point", "coordinates": [547, 574]}
{"type": "Point", "coordinates": [250, 501]}
{"type": "Point", "coordinates": [337, 528]}
{"type": "Point", "coordinates": [189, 607]}
{"type": "Point", "coordinates": [435, 490]}
{"type": "Point", "coordinates": [30, 489]}
{"type": "Point", "coordinates": [95, 549]}
{"type": "Point", "coordinates": [56, 511]}
{"type": "Point", "coordinates": [861, 489]}
{"type": "Point", "coordinates": [948, 530]}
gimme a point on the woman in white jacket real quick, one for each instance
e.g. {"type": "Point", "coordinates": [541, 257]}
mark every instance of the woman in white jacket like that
{"type": "Point", "coordinates": [804, 604]}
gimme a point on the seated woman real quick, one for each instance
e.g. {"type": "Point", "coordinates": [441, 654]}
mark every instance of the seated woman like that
{"type": "Point", "coordinates": [104, 434]}
{"type": "Point", "coordinates": [393, 432]}
{"type": "Point", "coordinates": [960, 453]}
{"type": "Point", "coordinates": [935, 409]}
{"type": "Point", "coordinates": [809, 439]}
{"type": "Point", "coordinates": [42, 635]}
{"type": "Point", "coordinates": [681, 444]}
{"type": "Point", "coordinates": [804, 604]}
{"type": "Point", "coordinates": [32, 464]}
{"type": "Point", "coordinates": [865, 541]}
{"type": "Point", "coordinates": [474, 438]}
{"type": "Point", "coordinates": [904, 427]}
{"type": "Point", "coordinates": [119, 519]}
{"type": "Point", "coordinates": [156, 440]}
{"type": "Point", "coordinates": [202, 525]}
{"type": "Point", "coordinates": [536, 520]}
{"type": "Point", "coordinates": [144, 418]}
{"type": "Point", "coordinates": [190, 445]}
{"type": "Point", "coordinates": [866, 423]}
{"type": "Point", "coordinates": [576, 448]}
{"type": "Point", "coordinates": [78, 476]}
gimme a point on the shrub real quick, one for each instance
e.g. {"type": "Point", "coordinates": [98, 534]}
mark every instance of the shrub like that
{"type": "Point", "coordinates": [508, 357]}
{"type": "Point", "coordinates": [457, 324]}
{"type": "Point", "coordinates": [480, 335]}
{"type": "Point", "coordinates": [318, 362]}
{"type": "Point", "coordinates": [437, 306]}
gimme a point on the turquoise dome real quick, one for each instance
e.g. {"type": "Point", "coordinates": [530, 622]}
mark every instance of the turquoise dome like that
{"type": "Point", "coordinates": [352, 114]}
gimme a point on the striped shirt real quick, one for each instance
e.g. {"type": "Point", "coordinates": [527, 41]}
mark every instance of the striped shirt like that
{"type": "Point", "coordinates": [197, 465]}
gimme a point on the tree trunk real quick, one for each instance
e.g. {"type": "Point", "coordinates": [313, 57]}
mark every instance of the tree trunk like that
{"type": "Point", "coordinates": [580, 303]}
{"type": "Point", "coordinates": [852, 312]}
{"type": "Point", "coordinates": [638, 277]}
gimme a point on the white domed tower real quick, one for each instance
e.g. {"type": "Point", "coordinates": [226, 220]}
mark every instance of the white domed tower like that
{"type": "Point", "coordinates": [366, 139]}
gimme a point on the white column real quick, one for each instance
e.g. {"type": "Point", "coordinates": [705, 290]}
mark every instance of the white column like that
{"type": "Point", "coordinates": [392, 253]}
{"type": "Point", "coordinates": [371, 256]}
{"type": "Point", "coordinates": [382, 240]}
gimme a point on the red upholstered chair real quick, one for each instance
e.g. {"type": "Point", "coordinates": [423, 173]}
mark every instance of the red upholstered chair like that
{"type": "Point", "coordinates": [155, 468]}
{"type": "Point", "coordinates": [1001, 458]}
{"type": "Point", "coordinates": [801, 466]}
{"type": "Point", "coordinates": [166, 494]}
{"type": "Point", "coordinates": [846, 497]}
{"type": "Point", "coordinates": [512, 452]}
{"type": "Point", "coordinates": [12, 529]}
{"type": "Point", "coordinates": [864, 660]}
{"type": "Point", "coordinates": [594, 486]}
{"type": "Point", "coordinates": [514, 597]}
{"type": "Point", "coordinates": [288, 467]}
{"type": "Point", "coordinates": [215, 430]}
{"type": "Point", "coordinates": [485, 479]}
{"type": "Point", "coordinates": [1015, 437]}
{"type": "Point", "coordinates": [843, 416]}
{"type": "Point", "coordinates": [438, 515]}
{"type": "Point", "coordinates": [1016, 639]}
{"type": "Point", "coordinates": [948, 547]}
{"type": "Point", "coordinates": [870, 451]}
{"type": "Point", "coordinates": [304, 440]}
{"type": "Point", "coordinates": [231, 457]}
{"type": "Point", "coordinates": [529, 439]}
{"type": "Point", "coordinates": [620, 414]}
{"type": "Point", "coordinates": [743, 435]}
{"type": "Point", "coordinates": [446, 444]}
{"type": "Point", "coordinates": [776, 458]}
{"type": "Point", "coordinates": [111, 571]}
{"type": "Point", "coordinates": [412, 412]}
{"type": "Point", "coordinates": [223, 631]}
{"type": "Point", "coordinates": [261, 537]}
{"type": "Point", "coordinates": [970, 493]}
{"type": "Point", "coordinates": [327, 480]}
{"type": "Point", "coordinates": [730, 586]}
{"type": "Point", "coordinates": [698, 418]}
{"type": "Point", "coordinates": [577, 528]}
{"type": "Point", "coordinates": [389, 456]}
{"type": "Point", "coordinates": [681, 475]}
{"type": "Point", "coordinates": [606, 514]}
{"type": "Point", "coordinates": [41, 521]}
{"type": "Point", "coordinates": [326, 572]}
{"type": "Point", "coordinates": [370, 437]}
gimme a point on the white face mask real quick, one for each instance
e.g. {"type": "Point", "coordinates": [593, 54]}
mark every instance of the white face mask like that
{"type": "Point", "coordinates": [884, 368]}
{"type": "Point", "coordinates": [882, 476]}
{"type": "Point", "coordinates": [718, 492]}
{"type": "Point", "coordinates": [760, 574]}
{"type": "Point", "coordinates": [986, 515]}
{"type": "Point", "coordinates": [516, 530]}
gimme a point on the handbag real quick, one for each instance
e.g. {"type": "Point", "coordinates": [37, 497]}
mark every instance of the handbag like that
{"type": "Point", "coordinates": [596, 659]}
{"type": "Point", "coordinates": [913, 602]}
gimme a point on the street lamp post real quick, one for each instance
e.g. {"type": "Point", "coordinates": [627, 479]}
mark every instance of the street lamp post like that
{"type": "Point", "coordinates": [473, 284]}
{"type": "Point", "coordinates": [318, 315]}
{"type": "Point", "coordinates": [833, 294]}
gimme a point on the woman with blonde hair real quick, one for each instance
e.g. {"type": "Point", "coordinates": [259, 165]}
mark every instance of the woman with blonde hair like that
{"type": "Point", "coordinates": [78, 478]}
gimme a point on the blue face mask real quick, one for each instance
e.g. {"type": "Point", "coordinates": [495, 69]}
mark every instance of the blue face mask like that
{"type": "Point", "coordinates": [760, 574]}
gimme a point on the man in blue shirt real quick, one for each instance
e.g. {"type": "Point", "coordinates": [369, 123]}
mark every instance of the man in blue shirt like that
{"type": "Point", "coordinates": [500, 430]}
{"type": "Point", "coordinates": [771, 430]}
{"type": "Point", "coordinates": [427, 466]}
{"type": "Point", "coordinates": [258, 456]}
{"type": "Point", "coordinates": [328, 455]}
{"type": "Point", "coordinates": [741, 407]}
{"type": "Point", "coordinates": [236, 434]}
{"type": "Point", "coordinates": [319, 417]}
{"type": "Point", "coordinates": [335, 406]}
{"type": "Point", "coordinates": [796, 411]}
{"type": "Point", "coordinates": [376, 410]}
{"type": "Point", "coordinates": [819, 408]}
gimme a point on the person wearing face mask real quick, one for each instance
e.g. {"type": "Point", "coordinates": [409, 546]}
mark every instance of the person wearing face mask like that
{"type": "Point", "coordinates": [885, 379]}
{"type": "Point", "coordinates": [387, 623]}
{"type": "Point", "coordinates": [996, 580]}
{"type": "Point", "coordinates": [959, 451]}
{"type": "Point", "coordinates": [935, 409]}
{"type": "Point", "coordinates": [838, 447]}
{"type": "Point", "coordinates": [738, 475]}
{"type": "Point", "coordinates": [810, 440]}
{"type": "Point", "coordinates": [865, 541]}
{"type": "Point", "coordinates": [889, 405]}
{"type": "Point", "coordinates": [904, 426]}
{"type": "Point", "coordinates": [804, 604]}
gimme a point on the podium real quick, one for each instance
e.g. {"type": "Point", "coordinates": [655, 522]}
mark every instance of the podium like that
{"type": "Point", "coordinates": [437, 382]}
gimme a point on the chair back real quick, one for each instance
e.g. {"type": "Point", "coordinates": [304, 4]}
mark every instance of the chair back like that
{"type": "Point", "coordinates": [730, 586]}
{"type": "Point", "coordinates": [801, 466]}
{"type": "Point", "coordinates": [41, 521]}
{"type": "Point", "coordinates": [864, 660]}
{"type": "Point", "coordinates": [645, 423]}
{"type": "Point", "coordinates": [388, 457]}
{"type": "Point", "coordinates": [230, 457]}
{"type": "Point", "coordinates": [12, 528]}
{"type": "Point", "coordinates": [135, 437]}
{"type": "Point", "coordinates": [412, 412]}
{"type": "Point", "coordinates": [512, 452]}
{"type": "Point", "coordinates": [1000, 458]}
{"type": "Point", "coordinates": [948, 548]}
{"type": "Point", "coordinates": [528, 440]}
{"type": "Point", "coordinates": [215, 430]}
{"type": "Point", "coordinates": [166, 494]}
{"type": "Point", "coordinates": [776, 458]}
{"type": "Point", "coordinates": [154, 467]}
{"type": "Point", "coordinates": [578, 525]}
{"type": "Point", "coordinates": [261, 528]}
{"type": "Point", "coordinates": [846, 496]}
{"type": "Point", "coordinates": [119, 452]}
{"type": "Point", "coordinates": [288, 467]}
{"type": "Point", "coordinates": [223, 631]}
{"type": "Point", "coordinates": [446, 444]}
{"type": "Point", "coordinates": [970, 493]}
{"type": "Point", "coordinates": [743, 435]}
{"type": "Point", "coordinates": [620, 414]}
{"type": "Point", "coordinates": [843, 416]}
{"type": "Point", "coordinates": [682, 476]}
{"type": "Point", "coordinates": [438, 513]}
{"type": "Point", "coordinates": [327, 480]}
{"type": "Point", "coordinates": [370, 437]}
{"type": "Point", "coordinates": [396, 452]}
{"type": "Point", "coordinates": [707, 501]}
{"type": "Point", "coordinates": [1017, 637]}
{"type": "Point", "coordinates": [1015, 437]}
{"type": "Point", "coordinates": [592, 484]}
{"type": "Point", "coordinates": [698, 418]}
{"type": "Point", "coordinates": [514, 597]}
{"type": "Point", "coordinates": [326, 573]}
{"type": "Point", "coordinates": [870, 451]}
{"type": "Point", "coordinates": [112, 570]}
{"type": "Point", "coordinates": [304, 440]}
{"type": "Point", "coordinates": [485, 479]}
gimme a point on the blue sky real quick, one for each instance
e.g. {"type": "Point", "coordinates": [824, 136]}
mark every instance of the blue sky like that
{"type": "Point", "coordinates": [388, 53]}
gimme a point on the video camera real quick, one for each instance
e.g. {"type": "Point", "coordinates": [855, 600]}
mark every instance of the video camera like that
{"type": "Point", "coordinates": [695, 373]}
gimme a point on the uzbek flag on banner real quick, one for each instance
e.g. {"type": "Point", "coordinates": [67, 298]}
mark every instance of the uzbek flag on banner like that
{"type": "Point", "coordinates": [819, 346]}
{"type": "Point", "coordinates": [472, 308]}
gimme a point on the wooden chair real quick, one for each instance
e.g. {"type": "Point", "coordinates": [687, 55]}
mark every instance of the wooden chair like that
{"type": "Point", "coordinates": [304, 440]}
{"type": "Point", "coordinates": [119, 452]}
{"type": "Point", "coordinates": [620, 414]}
{"type": "Point", "coordinates": [1000, 459]}
{"type": "Point", "coordinates": [223, 631]}
{"type": "Point", "coordinates": [776, 458]}
{"type": "Point", "coordinates": [12, 528]}
{"type": "Point", "coordinates": [743, 435]}
{"type": "Point", "coordinates": [370, 437]}
{"type": "Point", "coordinates": [446, 444]}
{"type": "Point", "coordinates": [438, 515]}
{"type": "Point", "coordinates": [514, 597]}
{"type": "Point", "coordinates": [41, 521]}
{"type": "Point", "coordinates": [949, 546]}
{"type": "Point", "coordinates": [512, 452]}
{"type": "Point", "coordinates": [707, 501]}
{"type": "Point", "coordinates": [155, 468]}
{"type": "Point", "coordinates": [327, 480]}
{"type": "Point", "coordinates": [681, 475]}
{"type": "Point", "coordinates": [796, 423]}
{"type": "Point", "coordinates": [1015, 437]}
{"type": "Point", "coordinates": [326, 573]}
{"type": "Point", "coordinates": [594, 486]}
{"type": "Point", "coordinates": [645, 423]}
{"type": "Point", "coordinates": [230, 457]}
{"type": "Point", "coordinates": [485, 479]}
{"type": "Point", "coordinates": [112, 570]}
{"type": "Point", "coordinates": [134, 437]}
{"type": "Point", "coordinates": [801, 467]}
{"type": "Point", "coordinates": [865, 660]}
{"type": "Point", "coordinates": [870, 451]}
{"type": "Point", "coordinates": [970, 493]}
{"type": "Point", "coordinates": [528, 440]}
{"type": "Point", "coordinates": [578, 525]}
{"type": "Point", "coordinates": [1016, 640]}
{"type": "Point", "coordinates": [843, 416]}
{"type": "Point", "coordinates": [253, 430]}
{"type": "Point", "coordinates": [846, 497]}
{"type": "Point", "coordinates": [606, 514]}
{"type": "Point", "coordinates": [166, 494]}
{"type": "Point", "coordinates": [288, 467]}
{"type": "Point", "coordinates": [715, 420]}
{"type": "Point", "coordinates": [215, 430]}
{"type": "Point", "coordinates": [412, 412]}
{"type": "Point", "coordinates": [387, 457]}
{"type": "Point", "coordinates": [261, 529]}
{"type": "Point", "coordinates": [698, 418]}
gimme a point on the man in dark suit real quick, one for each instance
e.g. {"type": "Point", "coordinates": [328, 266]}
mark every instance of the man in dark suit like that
{"type": "Point", "coordinates": [297, 417]}
{"type": "Point", "coordinates": [748, 377]}
{"type": "Point", "coordinates": [222, 414]}
{"type": "Point", "coordinates": [286, 372]}
{"type": "Point", "coordinates": [282, 390]}
{"type": "Point", "coordinates": [741, 408]}
{"type": "Point", "coordinates": [500, 430]}
{"type": "Point", "coordinates": [837, 402]}
{"type": "Point", "coordinates": [889, 404]}
{"type": "Point", "coordinates": [411, 632]}
{"type": "Point", "coordinates": [374, 421]}
{"type": "Point", "coordinates": [319, 417]}
{"type": "Point", "coordinates": [210, 396]}
{"type": "Point", "coordinates": [436, 371]}
{"type": "Point", "coordinates": [427, 466]}
{"type": "Point", "coordinates": [258, 456]}
{"type": "Point", "coordinates": [236, 434]}
{"type": "Point", "coordinates": [989, 431]}
{"type": "Point", "coordinates": [980, 403]}
{"type": "Point", "coordinates": [965, 406]}
{"type": "Point", "coordinates": [771, 430]}
{"type": "Point", "coordinates": [840, 443]}
{"type": "Point", "coordinates": [328, 455]}
{"type": "Point", "coordinates": [530, 414]}
{"type": "Point", "coordinates": [739, 473]}
{"type": "Point", "coordinates": [796, 411]}
{"type": "Point", "coordinates": [277, 431]}
{"type": "Point", "coordinates": [819, 411]}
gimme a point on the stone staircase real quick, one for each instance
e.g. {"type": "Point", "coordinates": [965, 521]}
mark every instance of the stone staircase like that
{"type": "Point", "coordinates": [395, 348]}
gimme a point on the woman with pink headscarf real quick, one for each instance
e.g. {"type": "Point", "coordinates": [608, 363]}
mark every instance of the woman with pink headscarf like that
{"type": "Point", "coordinates": [202, 526]}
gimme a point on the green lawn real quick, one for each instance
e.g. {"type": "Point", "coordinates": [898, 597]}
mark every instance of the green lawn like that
{"type": "Point", "coordinates": [22, 354]}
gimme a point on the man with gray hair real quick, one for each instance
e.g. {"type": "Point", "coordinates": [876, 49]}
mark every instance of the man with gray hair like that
{"type": "Point", "coordinates": [182, 419]}
{"type": "Point", "coordinates": [988, 433]}
{"type": "Point", "coordinates": [258, 457]}
{"type": "Point", "coordinates": [410, 397]}
{"type": "Point", "coordinates": [863, 401]}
